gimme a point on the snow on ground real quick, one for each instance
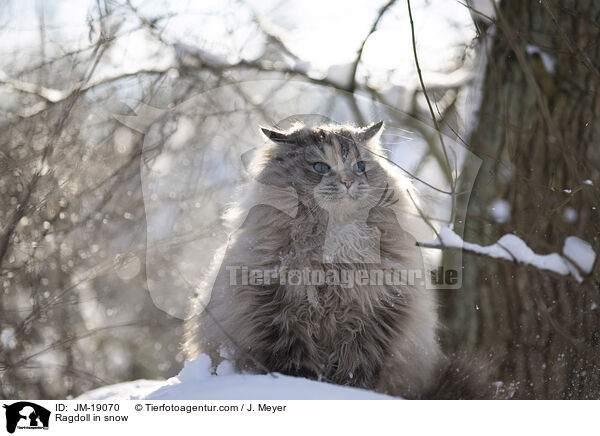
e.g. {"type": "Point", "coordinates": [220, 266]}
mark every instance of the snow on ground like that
{"type": "Point", "coordinates": [195, 382]}
{"type": "Point", "coordinates": [577, 254]}
{"type": "Point", "coordinates": [133, 390]}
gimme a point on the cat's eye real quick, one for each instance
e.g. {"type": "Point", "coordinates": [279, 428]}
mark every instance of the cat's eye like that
{"type": "Point", "coordinates": [321, 167]}
{"type": "Point", "coordinates": [359, 167]}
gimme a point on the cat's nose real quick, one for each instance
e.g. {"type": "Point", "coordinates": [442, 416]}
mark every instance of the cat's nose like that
{"type": "Point", "coordinates": [348, 182]}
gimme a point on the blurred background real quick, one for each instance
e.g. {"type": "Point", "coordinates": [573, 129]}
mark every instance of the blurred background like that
{"type": "Point", "coordinates": [125, 123]}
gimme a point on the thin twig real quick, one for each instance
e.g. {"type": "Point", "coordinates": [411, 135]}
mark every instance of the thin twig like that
{"type": "Point", "coordinates": [572, 47]}
{"type": "Point", "coordinates": [433, 117]}
{"type": "Point", "coordinates": [423, 215]}
{"type": "Point", "coordinates": [382, 12]}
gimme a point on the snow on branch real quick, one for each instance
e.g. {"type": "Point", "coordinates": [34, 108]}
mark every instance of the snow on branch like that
{"type": "Point", "coordinates": [52, 96]}
{"type": "Point", "coordinates": [577, 258]}
{"type": "Point", "coordinates": [48, 94]}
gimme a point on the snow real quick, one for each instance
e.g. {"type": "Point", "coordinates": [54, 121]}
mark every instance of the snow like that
{"type": "Point", "coordinates": [196, 382]}
{"type": "Point", "coordinates": [485, 7]}
{"type": "Point", "coordinates": [133, 390]}
{"type": "Point", "coordinates": [588, 182]}
{"type": "Point", "coordinates": [523, 254]}
{"type": "Point", "coordinates": [264, 387]}
{"type": "Point", "coordinates": [549, 61]}
{"type": "Point", "coordinates": [579, 252]}
{"type": "Point", "coordinates": [7, 338]}
{"type": "Point", "coordinates": [500, 210]}
{"type": "Point", "coordinates": [225, 368]}
{"type": "Point", "coordinates": [570, 215]}
{"type": "Point", "coordinates": [449, 238]}
{"type": "Point", "coordinates": [512, 248]}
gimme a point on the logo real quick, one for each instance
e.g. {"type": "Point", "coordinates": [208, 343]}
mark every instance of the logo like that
{"type": "Point", "coordinates": [26, 415]}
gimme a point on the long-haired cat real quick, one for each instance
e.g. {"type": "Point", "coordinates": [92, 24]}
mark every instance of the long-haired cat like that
{"type": "Point", "coordinates": [327, 204]}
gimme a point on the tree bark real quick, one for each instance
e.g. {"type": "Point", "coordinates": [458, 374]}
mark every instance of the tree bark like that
{"type": "Point", "coordinates": [538, 135]}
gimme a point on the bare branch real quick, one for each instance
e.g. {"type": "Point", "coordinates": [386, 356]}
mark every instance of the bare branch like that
{"type": "Point", "coordinates": [380, 15]}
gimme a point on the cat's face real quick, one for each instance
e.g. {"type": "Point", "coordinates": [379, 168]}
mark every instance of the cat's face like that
{"type": "Point", "coordinates": [334, 166]}
{"type": "Point", "coordinates": [346, 176]}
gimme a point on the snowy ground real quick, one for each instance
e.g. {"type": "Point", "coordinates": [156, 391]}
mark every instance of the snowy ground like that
{"type": "Point", "coordinates": [195, 382]}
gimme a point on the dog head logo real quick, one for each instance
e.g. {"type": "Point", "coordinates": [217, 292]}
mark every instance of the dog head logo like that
{"type": "Point", "coordinates": [26, 415]}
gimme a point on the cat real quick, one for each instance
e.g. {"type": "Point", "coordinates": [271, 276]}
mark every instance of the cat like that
{"type": "Point", "coordinates": [328, 204]}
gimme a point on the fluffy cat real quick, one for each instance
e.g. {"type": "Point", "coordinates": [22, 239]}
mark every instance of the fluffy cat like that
{"type": "Point", "coordinates": [327, 201]}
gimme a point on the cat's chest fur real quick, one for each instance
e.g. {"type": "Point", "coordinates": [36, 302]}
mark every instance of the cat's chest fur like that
{"type": "Point", "coordinates": [329, 240]}
{"type": "Point", "coordinates": [328, 320]}
{"type": "Point", "coordinates": [351, 242]}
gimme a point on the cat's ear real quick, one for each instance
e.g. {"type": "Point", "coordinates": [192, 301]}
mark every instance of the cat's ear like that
{"type": "Point", "coordinates": [276, 136]}
{"type": "Point", "coordinates": [372, 132]}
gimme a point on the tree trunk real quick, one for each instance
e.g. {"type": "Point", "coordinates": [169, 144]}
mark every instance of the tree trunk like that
{"type": "Point", "coordinates": [539, 137]}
